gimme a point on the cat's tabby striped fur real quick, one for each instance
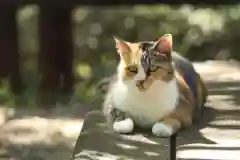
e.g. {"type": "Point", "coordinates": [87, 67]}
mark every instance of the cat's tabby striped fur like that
{"type": "Point", "coordinates": [154, 88]}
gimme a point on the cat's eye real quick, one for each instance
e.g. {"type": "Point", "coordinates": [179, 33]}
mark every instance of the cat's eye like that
{"type": "Point", "coordinates": [154, 68]}
{"type": "Point", "coordinates": [133, 69]}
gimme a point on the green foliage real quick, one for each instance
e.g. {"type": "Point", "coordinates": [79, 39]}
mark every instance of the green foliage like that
{"type": "Point", "coordinates": [199, 34]}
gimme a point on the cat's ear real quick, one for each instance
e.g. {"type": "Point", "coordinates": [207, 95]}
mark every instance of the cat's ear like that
{"type": "Point", "coordinates": [121, 45]}
{"type": "Point", "coordinates": [164, 44]}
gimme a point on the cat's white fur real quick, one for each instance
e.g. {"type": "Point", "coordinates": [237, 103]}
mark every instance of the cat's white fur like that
{"type": "Point", "coordinates": [124, 126]}
{"type": "Point", "coordinates": [145, 108]}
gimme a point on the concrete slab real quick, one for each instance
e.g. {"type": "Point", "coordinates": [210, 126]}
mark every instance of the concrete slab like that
{"type": "Point", "coordinates": [97, 142]}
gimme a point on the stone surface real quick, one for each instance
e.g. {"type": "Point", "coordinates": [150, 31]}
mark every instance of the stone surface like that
{"type": "Point", "coordinates": [96, 141]}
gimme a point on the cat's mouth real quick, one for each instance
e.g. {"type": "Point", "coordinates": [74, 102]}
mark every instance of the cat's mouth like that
{"type": "Point", "coordinates": [140, 85]}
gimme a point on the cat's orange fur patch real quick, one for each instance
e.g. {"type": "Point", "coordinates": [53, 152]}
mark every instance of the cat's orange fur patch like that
{"type": "Point", "coordinates": [182, 114]}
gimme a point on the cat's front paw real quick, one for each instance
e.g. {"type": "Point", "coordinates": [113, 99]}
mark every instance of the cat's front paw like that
{"type": "Point", "coordinates": [162, 130]}
{"type": "Point", "coordinates": [124, 126]}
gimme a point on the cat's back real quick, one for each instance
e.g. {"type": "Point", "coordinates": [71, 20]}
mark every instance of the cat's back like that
{"type": "Point", "coordinates": [183, 64]}
{"type": "Point", "coordinates": [186, 69]}
{"type": "Point", "coordinates": [193, 80]}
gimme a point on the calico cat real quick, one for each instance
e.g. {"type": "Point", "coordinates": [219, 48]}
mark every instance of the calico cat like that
{"type": "Point", "coordinates": [154, 88]}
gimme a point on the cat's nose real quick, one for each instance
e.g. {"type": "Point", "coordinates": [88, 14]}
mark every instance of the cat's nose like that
{"type": "Point", "coordinates": [140, 83]}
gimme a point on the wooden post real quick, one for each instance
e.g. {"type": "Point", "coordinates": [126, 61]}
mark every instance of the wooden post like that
{"type": "Point", "coordinates": [173, 152]}
{"type": "Point", "coordinates": [65, 50]}
{"type": "Point", "coordinates": [55, 58]}
{"type": "Point", "coordinates": [9, 55]}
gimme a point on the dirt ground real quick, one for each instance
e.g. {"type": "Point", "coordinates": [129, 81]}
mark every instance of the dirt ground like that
{"type": "Point", "coordinates": [40, 135]}
{"type": "Point", "coordinates": [35, 134]}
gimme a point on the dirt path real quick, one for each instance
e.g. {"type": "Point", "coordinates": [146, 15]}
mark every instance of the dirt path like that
{"type": "Point", "coordinates": [34, 134]}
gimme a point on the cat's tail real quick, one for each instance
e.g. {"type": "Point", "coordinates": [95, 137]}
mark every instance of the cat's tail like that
{"type": "Point", "coordinates": [202, 90]}
{"type": "Point", "coordinates": [202, 94]}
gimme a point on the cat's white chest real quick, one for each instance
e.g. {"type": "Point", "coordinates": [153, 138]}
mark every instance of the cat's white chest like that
{"type": "Point", "coordinates": [146, 108]}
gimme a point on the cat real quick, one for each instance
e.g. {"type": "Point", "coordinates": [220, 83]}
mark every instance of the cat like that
{"type": "Point", "coordinates": [154, 88]}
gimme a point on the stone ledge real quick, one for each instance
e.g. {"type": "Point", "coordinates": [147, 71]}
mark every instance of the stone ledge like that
{"type": "Point", "coordinates": [97, 142]}
{"type": "Point", "coordinates": [217, 131]}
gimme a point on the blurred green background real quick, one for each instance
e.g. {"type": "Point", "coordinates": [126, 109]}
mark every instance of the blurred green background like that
{"type": "Point", "coordinates": [199, 33]}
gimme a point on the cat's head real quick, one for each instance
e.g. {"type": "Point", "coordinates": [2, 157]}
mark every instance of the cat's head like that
{"type": "Point", "coordinates": [143, 63]}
